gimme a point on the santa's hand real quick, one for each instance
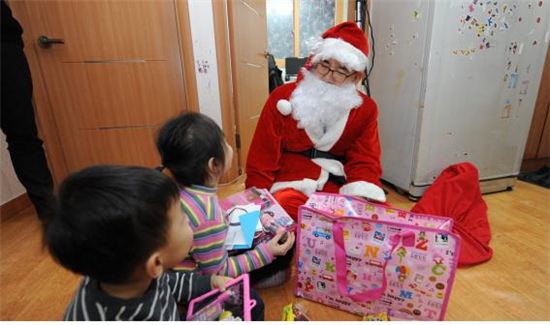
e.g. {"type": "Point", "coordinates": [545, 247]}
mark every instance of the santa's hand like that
{"type": "Point", "coordinates": [277, 249]}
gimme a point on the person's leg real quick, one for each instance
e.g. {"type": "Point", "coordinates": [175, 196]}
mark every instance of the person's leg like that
{"type": "Point", "coordinates": [274, 274]}
{"type": "Point", "coordinates": [18, 124]}
{"type": "Point", "coordinates": [258, 310]}
{"type": "Point", "coordinates": [290, 199]}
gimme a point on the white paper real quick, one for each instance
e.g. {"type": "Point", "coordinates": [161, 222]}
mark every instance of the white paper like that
{"type": "Point", "coordinates": [235, 234]}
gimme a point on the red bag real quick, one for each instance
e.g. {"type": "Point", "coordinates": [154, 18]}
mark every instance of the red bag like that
{"type": "Point", "coordinates": [456, 194]}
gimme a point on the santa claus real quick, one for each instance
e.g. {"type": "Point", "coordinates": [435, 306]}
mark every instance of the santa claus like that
{"type": "Point", "coordinates": [320, 133]}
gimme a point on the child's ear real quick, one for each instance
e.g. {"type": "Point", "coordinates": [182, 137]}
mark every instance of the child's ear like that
{"type": "Point", "coordinates": [153, 265]}
{"type": "Point", "coordinates": [213, 167]}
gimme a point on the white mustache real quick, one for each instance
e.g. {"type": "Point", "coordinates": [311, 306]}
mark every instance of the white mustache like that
{"type": "Point", "coordinates": [317, 103]}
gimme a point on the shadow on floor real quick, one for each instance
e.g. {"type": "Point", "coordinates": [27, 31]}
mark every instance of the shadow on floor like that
{"type": "Point", "coordinates": [539, 177]}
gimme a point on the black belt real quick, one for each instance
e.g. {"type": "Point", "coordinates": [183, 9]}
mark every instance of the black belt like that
{"type": "Point", "coordinates": [338, 180]}
{"type": "Point", "coordinates": [314, 153]}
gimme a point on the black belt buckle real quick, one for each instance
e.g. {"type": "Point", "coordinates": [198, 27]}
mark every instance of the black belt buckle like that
{"type": "Point", "coordinates": [313, 153]}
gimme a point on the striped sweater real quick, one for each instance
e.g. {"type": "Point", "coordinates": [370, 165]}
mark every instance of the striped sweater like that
{"type": "Point", "coordinates": [209, 226]}
{"type": "Point", "coordinates": [158, 303]}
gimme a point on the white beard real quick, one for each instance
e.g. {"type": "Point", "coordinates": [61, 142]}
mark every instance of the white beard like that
{"type": "Point", "coordinates": [317, 104]}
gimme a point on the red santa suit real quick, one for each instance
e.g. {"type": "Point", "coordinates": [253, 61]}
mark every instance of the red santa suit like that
{"type": "Point", "coordinates": [276, 160]}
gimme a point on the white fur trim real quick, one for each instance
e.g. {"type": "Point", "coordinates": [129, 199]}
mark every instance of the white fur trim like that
{"type": "Point", "coordinates": [284, 107]}
{"type": "Point", "coordinates": [341, 51]}
{"type": "Point", "coordinates": [365, 189]}
{"type": "Point", "coordinates": [333, 133]}
{"type": "Point", "coordinates": [332, 166]}
{"type": "Point", "coordinates": [328, 166]}
{"type": "Point", "coordinates": [306, 186]}
{"type": "Point", "coordinates": [323, 179]}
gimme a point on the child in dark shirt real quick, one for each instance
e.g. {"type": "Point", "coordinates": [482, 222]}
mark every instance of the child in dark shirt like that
{"type": "Point", "coordinates": [123, 229]}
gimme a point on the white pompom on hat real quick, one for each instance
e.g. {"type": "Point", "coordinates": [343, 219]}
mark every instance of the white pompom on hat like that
{"type": "Point", "coordinates": [284, 107]}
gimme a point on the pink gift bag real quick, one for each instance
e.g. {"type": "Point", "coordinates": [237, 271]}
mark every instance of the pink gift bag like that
{"type": "Point", "coordinates": [369, 259]}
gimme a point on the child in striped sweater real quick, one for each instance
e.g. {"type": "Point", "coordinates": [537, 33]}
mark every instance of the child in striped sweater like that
{"type": "Point", "coordinates": [193, 149]}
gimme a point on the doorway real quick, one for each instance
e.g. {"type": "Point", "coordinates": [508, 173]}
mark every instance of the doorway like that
{"type": "Point", "coordinates": [115, 75]}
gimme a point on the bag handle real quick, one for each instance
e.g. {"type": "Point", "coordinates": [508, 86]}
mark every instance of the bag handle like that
{"type": "Point", "coordinates": [341, 266]}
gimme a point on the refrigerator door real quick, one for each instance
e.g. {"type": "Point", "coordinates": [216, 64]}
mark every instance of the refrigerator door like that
{"type": "Point", "coordinates": [484, 68]}
{"type": "Point", "coordinates": [401, 34]}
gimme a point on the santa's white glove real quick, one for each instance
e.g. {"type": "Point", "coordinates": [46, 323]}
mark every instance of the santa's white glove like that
{"type": "Point", "coordinates": [365, 189]}
{"type": "Point", "coordinates": [306, 186]}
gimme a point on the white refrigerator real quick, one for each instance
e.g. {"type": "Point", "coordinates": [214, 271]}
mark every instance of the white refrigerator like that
{"type": "Point", "coordinates": [456, 81]}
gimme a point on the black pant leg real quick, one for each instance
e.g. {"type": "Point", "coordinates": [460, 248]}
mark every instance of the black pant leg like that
{"type": "Point", "coordinates": [259, 309]}
{"type": "Point", "coordinates": [281, 263]}
{"type": "Point", "coordinates": [19, 126]}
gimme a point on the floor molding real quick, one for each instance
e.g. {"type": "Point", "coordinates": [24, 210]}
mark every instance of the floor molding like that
{"type": "Point", "coordinates": [14, 206]}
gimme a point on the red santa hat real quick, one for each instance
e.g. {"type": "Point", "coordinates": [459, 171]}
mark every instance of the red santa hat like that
{"type": "Point", "coordinates": [345, 43]}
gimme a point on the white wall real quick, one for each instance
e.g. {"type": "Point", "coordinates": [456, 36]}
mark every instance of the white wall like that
{"type": "Point", "coordinates": [204, 52]}
{"type": "Point", "coordinates": [10, 187]}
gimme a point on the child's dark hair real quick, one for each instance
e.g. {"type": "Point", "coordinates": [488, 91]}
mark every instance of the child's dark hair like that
{"type": "Point", "coordinates": [109, 220]}
{"type": "Point", "coordinates": [186, 143]}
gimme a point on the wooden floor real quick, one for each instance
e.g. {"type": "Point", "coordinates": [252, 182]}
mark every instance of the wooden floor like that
{"type": "Point", "coordinates": [514, 285]}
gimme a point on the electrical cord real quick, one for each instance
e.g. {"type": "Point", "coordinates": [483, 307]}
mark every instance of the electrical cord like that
{"type": "Point", "coordinates": [371, 32]}
{"type": "Point", "coordinates": [363, 15]}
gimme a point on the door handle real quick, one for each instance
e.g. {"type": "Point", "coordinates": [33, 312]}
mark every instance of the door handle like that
{"type": "Point", "coordinates": [45, 42]}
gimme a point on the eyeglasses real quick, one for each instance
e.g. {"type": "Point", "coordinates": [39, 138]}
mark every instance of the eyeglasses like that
{"type": "Point", "coordinates": [323, 68]}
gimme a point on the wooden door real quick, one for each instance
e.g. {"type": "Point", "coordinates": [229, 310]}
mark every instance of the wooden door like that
{"type": "Point", "coordinates": [116, 78]}
{"type": "Point", "coordinates": [537, 148]}
{"type": "Point", "coordinates": [248, 39]}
